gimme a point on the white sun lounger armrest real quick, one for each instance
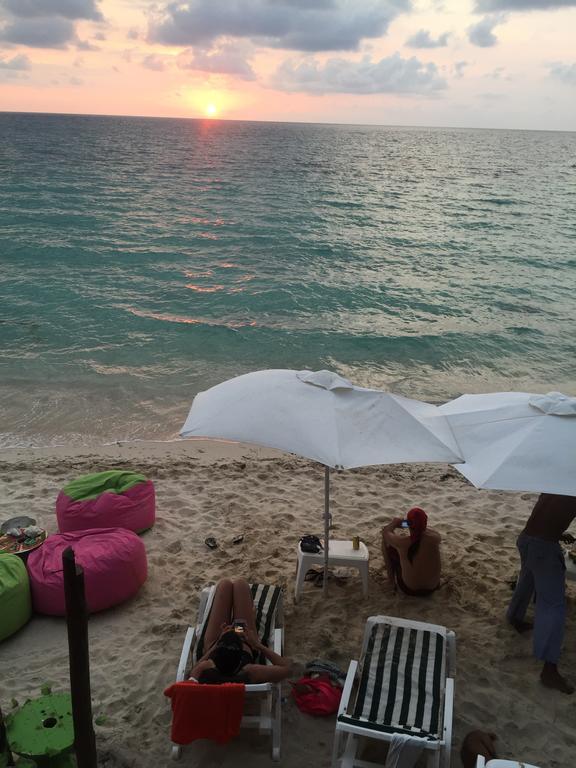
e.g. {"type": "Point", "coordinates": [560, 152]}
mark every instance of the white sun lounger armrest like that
{"type": "Point", "coordinates": [448, 713]}
{"type": "Point", "coordinates": [347, 690]}
{"type": "Point", "coordinates": [185, 655]}
{"type": "Point", "coordinates": [451, 654]}
{"type": "Point", "coordinates": [278, 641]}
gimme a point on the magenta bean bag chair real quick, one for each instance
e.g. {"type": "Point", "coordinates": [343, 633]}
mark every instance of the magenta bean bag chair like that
{"type": "Point", "coordinates": [113, 499]}
{"type": "Point", "coordinates": [114, 563]}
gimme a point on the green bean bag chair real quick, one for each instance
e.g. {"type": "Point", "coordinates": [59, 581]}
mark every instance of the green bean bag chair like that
{"type": "Point", "coordinates": [15, 603]}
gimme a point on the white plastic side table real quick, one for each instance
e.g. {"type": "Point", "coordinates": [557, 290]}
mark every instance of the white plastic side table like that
{"type": "Point", "coordinates": [339, 553]}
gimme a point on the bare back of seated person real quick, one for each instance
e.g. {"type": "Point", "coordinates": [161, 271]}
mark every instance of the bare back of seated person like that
{"type": "Point", "coordinates": [422, 572]}
{"type": "Point", "coordinates": [551, 516]}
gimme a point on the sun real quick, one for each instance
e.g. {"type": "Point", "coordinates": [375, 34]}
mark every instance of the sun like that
{"type": "Point", "coordinates": [211, 110]}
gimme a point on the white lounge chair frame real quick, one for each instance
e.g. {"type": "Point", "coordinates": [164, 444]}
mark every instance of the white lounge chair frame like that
{"type": "Point", "coordinates": [497, 763]}
{"type": "Point", "coordinates": [439, 750]}
{"type": "Point", "coordinates": [269, 718]}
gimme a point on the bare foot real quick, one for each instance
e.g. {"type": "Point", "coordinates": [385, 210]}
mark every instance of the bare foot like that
{"type": "Point", "coordinates": [521, 626]}
{"type": "Point", "coordinates": [551, 678]}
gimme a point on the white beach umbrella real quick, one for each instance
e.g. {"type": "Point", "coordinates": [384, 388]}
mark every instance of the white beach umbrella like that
{"type": "Point", "coordinates": [516, 441]}
{"type": "Point", "coordinates": [322, 416]}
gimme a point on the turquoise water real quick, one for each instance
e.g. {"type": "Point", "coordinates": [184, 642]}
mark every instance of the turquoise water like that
{"type": "Point", "coordinates": [142, 260]}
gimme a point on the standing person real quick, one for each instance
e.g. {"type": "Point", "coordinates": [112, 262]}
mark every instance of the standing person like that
{"type": "Point", "coordinates": [542, 570]}
{"type": "Point", "coordinates": [412, 554]}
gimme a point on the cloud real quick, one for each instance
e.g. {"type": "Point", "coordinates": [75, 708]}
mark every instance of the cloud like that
{"type": "Point", "coordinates": [459, 67]}
{"type": "Point", "coordinates": [86, 45]}
{"type": "Point", "coordinates": [133, 34]}
{"type": "Point", "coordinates": [391, 75]}
{"type": "Point", "coordinates": [153, 62]}
{"type": "Point", "coordinates": [489, 6]}
{"type": "Point", "coordinates": [39, 33]}
{"type": "Point", "coordinates": [226, 60]}
{"type": "Point", "coordinates": [482, 35]}
{"type": "Point", "coordinates": [565, 73]}
{"type": "Point", "coordinates": [319, 25]}
{"type": "Point", "coordinates": [67, 9]}
{"type": "Point", "coordinates": [18, 63]}
{"type": "Point", "coordinates": [422, 39]}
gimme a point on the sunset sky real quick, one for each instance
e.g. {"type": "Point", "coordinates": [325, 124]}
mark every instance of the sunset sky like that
{"type": "Point", "coordinates": [483, 63]}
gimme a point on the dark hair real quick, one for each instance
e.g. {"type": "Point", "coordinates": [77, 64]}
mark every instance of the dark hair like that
{"type": "Point", "coordinates": [227, 656]}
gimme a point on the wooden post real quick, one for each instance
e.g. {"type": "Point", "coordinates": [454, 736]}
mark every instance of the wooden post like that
{"type": "Point", "coordinates": [77, 620]}
{"type": "Point", "coordinates": [5, 754]}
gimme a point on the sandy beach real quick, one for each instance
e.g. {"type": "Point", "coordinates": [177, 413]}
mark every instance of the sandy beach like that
{"type": "Point", "coordinates": [222, 490]}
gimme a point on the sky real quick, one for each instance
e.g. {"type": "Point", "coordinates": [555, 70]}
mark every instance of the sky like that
{"type": "Point", "coordinates": [462, 63]}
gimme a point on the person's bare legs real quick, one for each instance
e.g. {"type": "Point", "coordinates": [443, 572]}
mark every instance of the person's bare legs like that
{"type": "Point", "coordinates": [221, 612]}
{"type": "Point", "coordinates": [243, 605]}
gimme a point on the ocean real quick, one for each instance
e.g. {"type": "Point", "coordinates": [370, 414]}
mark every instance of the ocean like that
{"type": "Point", "coordinates": [144, 260]}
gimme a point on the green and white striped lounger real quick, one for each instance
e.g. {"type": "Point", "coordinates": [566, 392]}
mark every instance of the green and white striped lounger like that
{"type": "Point", "coordinates": [403, 689]}
{"type": "Point", "coordinates": [268, 607]}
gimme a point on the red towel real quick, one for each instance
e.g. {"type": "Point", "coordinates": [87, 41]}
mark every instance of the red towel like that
{"type": "Point", "coordinates": [205, 711]}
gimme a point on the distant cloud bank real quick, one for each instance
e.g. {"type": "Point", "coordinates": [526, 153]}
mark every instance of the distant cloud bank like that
{"type": "Point", "coordinates": [390, 75]}
{"type": "Point", "coordinates": [565, 73]}
{"type": "Point", "coordinates": [301, 25]}
{"type": "Point", "coordinates": [423, 39]}
{"type": "Point", "coordinates": [45, 23]}
{"type": "Point", "coordinates": [482, 33]}
{"type": "Point", "coordinates": [488, 6]}
{"type": "Point", "coordinates": [67, 9]}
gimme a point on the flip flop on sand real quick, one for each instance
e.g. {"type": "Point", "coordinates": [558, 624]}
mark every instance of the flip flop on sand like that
{"type": "Point", "coordinates": [238, 539]}
{"type": "Point", "coordinates": [211, 542]}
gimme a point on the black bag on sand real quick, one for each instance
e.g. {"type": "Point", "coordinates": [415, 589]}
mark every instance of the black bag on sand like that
{"type": "Point", "coordinates": [310, 543]}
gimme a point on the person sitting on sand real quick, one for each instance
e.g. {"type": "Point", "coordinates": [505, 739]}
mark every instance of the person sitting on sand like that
{"type": "Point", "coordinates": [542, 570]}
{"type": "Point", "coordinates": [231, 655]}
{"type": "Point", "coordinates": [412, 554]}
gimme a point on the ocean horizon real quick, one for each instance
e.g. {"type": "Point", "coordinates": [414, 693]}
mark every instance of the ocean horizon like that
{"type": "Point", "coordinates": [143, 260]}
{"type": "Point", "coordinates": [218, 119]}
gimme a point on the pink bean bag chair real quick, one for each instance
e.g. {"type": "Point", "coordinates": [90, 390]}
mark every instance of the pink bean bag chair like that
{"type": "Point", "coordinates": [114, 499]}
{"type": "Point", "coordinates": [114, 563]}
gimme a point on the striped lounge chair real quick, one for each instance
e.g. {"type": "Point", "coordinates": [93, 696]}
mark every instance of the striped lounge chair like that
{"type": "Point", "coordinates": [405, 687]}
{"type": "Point", "coordinates": [268, 608]}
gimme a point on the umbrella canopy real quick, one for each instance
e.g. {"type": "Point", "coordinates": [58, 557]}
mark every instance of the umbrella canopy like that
{"type": "Point", "coordinates": [322, 416]}
{"type": "Point", "coordinates": [516, 441]}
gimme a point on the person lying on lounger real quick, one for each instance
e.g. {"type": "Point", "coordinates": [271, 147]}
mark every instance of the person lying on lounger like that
{"type": "Point", "coordinates": [412, 554]}
{"type": "Point", "coordinates": [233, 650]}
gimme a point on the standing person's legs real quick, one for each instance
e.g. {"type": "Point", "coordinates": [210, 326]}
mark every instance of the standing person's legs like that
{"type": "Point", "coordinates": [523, 591]}
{"type": "Point", "coordinates": [243, 605]}
{"type": "Point", "coordinates": [221, 612]}
{"type": "Point", "coordinates": [550, 581]}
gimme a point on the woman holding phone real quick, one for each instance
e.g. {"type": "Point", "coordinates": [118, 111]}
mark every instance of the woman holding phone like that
{"type": "Point", "coordinates": [232, 642]}
{"type": "Point", "coordinates": [412, 554]}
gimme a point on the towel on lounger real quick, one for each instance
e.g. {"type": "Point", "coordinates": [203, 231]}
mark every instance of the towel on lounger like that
{"type": "Point", "coordinates": [205, 711]}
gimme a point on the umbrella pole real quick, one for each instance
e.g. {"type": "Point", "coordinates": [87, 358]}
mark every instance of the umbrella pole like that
{"type": "Point", "coordinates": [326, 525]}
